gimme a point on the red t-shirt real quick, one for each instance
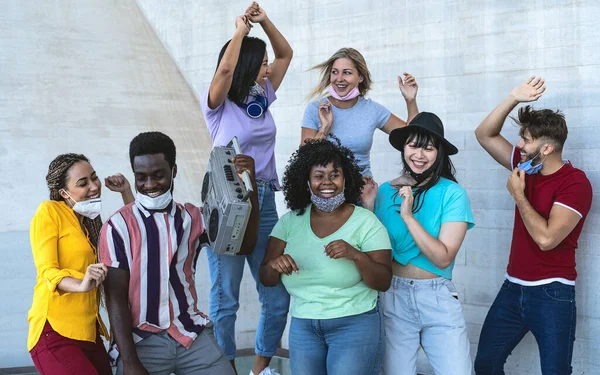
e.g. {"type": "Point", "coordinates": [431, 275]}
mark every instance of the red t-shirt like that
{"type": "Point", "coordinates": [568, 187]}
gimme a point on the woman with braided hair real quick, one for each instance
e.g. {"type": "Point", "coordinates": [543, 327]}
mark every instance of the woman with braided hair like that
{"type": "Point", "coordinates": [64, 322]}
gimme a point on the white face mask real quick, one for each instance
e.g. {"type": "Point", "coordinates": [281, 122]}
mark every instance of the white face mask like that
{"type": "Point", "coordinates": [90, 208]}
{"type": "Point", "coordinates": [156, 203]}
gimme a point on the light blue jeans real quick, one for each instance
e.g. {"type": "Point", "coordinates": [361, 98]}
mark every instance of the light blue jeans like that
{"type": "Point", "coordinates": [341, 346]}
{"type": "Point", "coordinates": [427, 313]}
{"type": "Point", "coordinates": [226, 273]}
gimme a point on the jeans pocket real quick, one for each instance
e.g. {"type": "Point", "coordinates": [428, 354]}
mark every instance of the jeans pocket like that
{"type": "Point", "coordinates": [560, 292]}
{"type": "Point", "coordinates": [449, 286]}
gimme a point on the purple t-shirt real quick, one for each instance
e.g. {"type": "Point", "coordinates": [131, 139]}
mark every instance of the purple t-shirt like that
{"type": "Point", "coordinates": [256, 136]}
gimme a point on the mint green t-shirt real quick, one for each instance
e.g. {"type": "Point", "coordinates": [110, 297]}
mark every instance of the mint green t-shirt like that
{"type": "Point", "coordinates": [444, 202]}
{"type": "Point", "coordinates": [326, 288]}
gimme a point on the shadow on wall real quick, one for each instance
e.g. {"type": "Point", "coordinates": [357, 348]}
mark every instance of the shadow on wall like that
{"type": "Point", "coordinates": [85, 77]}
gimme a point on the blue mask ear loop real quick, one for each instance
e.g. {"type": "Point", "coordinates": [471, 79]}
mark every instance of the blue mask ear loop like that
{"type": "Point", "coordinates": [527, 166]}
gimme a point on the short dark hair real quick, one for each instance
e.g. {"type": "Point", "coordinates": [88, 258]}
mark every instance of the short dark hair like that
{"type": "Point", "coordinates": [252, 53]}
{"type": "Point", "coordinates": [543, 123]}
{"type": "Point", "coordinates": [152, 143]}
{"type": "Point", "coordinates": [319, 152]}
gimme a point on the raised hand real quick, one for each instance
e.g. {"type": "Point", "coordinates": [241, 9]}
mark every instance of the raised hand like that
{"type": "Point", "coordinates": [408, 86]}
{"type": "Point", "coordinates": [341, 249]}
{"type": "Point", "coordinates": [407, 201]}
{"type": "Point", "coordinates": [93, 278]}
{"type": "Point", "coordinates": [325, 116]}
{"type": "Point", "coordinates": [284, 264]}
{"type": "Point", "coordinates": [255, 13]}
{"type": "Point", "coordinates": [530, 90]}
{"type": "Point", "coordinates": [117, 183]}
{"type": "Point", "coordinates": [243, 25]}
{"type": "Point", "coordinates": [368, 193]}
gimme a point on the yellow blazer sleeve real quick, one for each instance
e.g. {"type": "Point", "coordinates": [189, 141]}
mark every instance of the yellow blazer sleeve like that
{"type": "Point", "coordinates": [44, 235]}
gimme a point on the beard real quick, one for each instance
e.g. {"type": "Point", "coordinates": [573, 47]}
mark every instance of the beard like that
{"type": "Point", "coordinates": [535, 157]}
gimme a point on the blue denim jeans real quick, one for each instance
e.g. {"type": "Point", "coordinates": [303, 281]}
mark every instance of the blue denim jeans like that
{"type": "Point", "coordinates": [341, 346]}
{"type": "Point", "coordinates": [548, 311]}
{"type": "Point", "coordinates": [226, 273]}
{"type": "Point", "coordinates": [426, 313]}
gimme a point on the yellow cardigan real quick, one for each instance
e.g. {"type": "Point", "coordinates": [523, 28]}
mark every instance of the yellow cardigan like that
{"type": "Point", "coordinates": [61, 249]}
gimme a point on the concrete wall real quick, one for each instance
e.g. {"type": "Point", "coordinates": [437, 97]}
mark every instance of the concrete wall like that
{"type": "Point", "coordinates": [80, 76]}
{"type": "Point", "coordinates": [466, 55]}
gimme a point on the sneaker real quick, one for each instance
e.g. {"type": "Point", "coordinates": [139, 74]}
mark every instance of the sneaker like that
{"type": "Point", "coordinates": [267, 371]}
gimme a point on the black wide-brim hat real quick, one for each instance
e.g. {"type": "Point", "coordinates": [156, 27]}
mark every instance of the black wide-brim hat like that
{"type": "Point", "coordinates": [424, 120]}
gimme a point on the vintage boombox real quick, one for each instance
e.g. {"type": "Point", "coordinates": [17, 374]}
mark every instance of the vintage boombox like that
{"type": "Point", "coordinates": [225, 197]}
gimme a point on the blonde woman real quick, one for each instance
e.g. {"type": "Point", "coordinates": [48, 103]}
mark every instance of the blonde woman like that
{"type": "Point", "coordinates": [346, 112]}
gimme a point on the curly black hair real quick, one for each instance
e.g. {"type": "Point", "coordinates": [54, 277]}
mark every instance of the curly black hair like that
{"type": "Point", "coordinates": [319, 152]}
{"type": "Point", "coordinates": [151, 143]}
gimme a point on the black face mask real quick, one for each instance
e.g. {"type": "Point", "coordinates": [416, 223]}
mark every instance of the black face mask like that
{"type": "Point", "coordinates": [419, 177]}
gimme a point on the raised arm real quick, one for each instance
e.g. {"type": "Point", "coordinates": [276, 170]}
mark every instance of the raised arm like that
{"type": "Point", "coordinates": [246, 163]}
{"type": "Point", "coordinates": [488, 132]}
{"type": "Point", "coordinates": [221, 83]}
{"type": "Point", "coordinates": [116, 288]}
{"type": "Point", "coordinates": [281, 48]}
{"type": "Point", "coordinates": [409, 88]}
{"type": "Point", "coordinates": [119, 184]}
{"type": "Point", "coordinates": [326, 121]}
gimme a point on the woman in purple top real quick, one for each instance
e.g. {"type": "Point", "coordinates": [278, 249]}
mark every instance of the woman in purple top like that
{"type": "Point", "coordinates": [237, 104]}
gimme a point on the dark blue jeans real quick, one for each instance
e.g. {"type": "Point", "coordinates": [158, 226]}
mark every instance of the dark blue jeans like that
{"type": "Point", "coordinates": [548, 311]}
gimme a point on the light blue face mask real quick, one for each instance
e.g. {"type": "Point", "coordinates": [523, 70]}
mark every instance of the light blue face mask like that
{"type": "Point", "coordinates": [531, 169]}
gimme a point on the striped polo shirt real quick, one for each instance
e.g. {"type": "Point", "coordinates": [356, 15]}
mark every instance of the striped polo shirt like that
{"type": "Point", "coordinates": [159, 249]}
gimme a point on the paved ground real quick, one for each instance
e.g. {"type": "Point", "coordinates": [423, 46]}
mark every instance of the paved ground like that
{"type": "Point", "coordinates": [243, 364]}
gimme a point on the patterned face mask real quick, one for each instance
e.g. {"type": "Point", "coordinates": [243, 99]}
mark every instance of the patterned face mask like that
{"type": "Point", "coordinates": [257, 90]}
{"type": "Point", "coordinates": [327, 204]}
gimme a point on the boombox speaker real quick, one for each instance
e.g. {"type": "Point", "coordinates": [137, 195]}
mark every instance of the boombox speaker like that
{"type": "Point", "coordinates": [225, 197]}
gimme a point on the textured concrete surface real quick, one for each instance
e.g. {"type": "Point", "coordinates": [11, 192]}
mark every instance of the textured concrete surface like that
{"type": "Point", "coordinates": [87, 76]}
{"type": "Point", "coordinates": [80, 76]}
{"type": "Point", "coordinates": [466, 55]}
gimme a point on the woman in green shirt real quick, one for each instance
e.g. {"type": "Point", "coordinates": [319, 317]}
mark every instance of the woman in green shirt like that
{"type": "Point", "coordinates": [333, 257]}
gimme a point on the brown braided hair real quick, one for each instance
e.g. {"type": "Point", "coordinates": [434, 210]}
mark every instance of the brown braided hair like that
{"type": "Point", "coordinates": [56, 179]}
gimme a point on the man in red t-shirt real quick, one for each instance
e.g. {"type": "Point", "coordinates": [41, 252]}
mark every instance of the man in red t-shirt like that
{"type": "Point", "coordinates": [552, 198]}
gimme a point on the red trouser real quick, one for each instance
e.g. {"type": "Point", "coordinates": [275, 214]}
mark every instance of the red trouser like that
{"type": "Point", "coordinates": [55, 354]}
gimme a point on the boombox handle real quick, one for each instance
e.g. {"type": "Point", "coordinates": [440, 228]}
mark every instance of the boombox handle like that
{"type": "Point", "coordinates": [245, 175]}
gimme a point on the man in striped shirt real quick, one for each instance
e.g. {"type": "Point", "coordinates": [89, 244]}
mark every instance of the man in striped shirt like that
{"type": "Point", "coordinates": [151, 247]}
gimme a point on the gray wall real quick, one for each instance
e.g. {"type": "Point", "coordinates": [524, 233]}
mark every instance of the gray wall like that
{"type": "Point", "coordinates": [79, 76]}
{"type": "Point", "coordinates": [86, 76]}
{"type": "Point", "coordinates": [466, 55]}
